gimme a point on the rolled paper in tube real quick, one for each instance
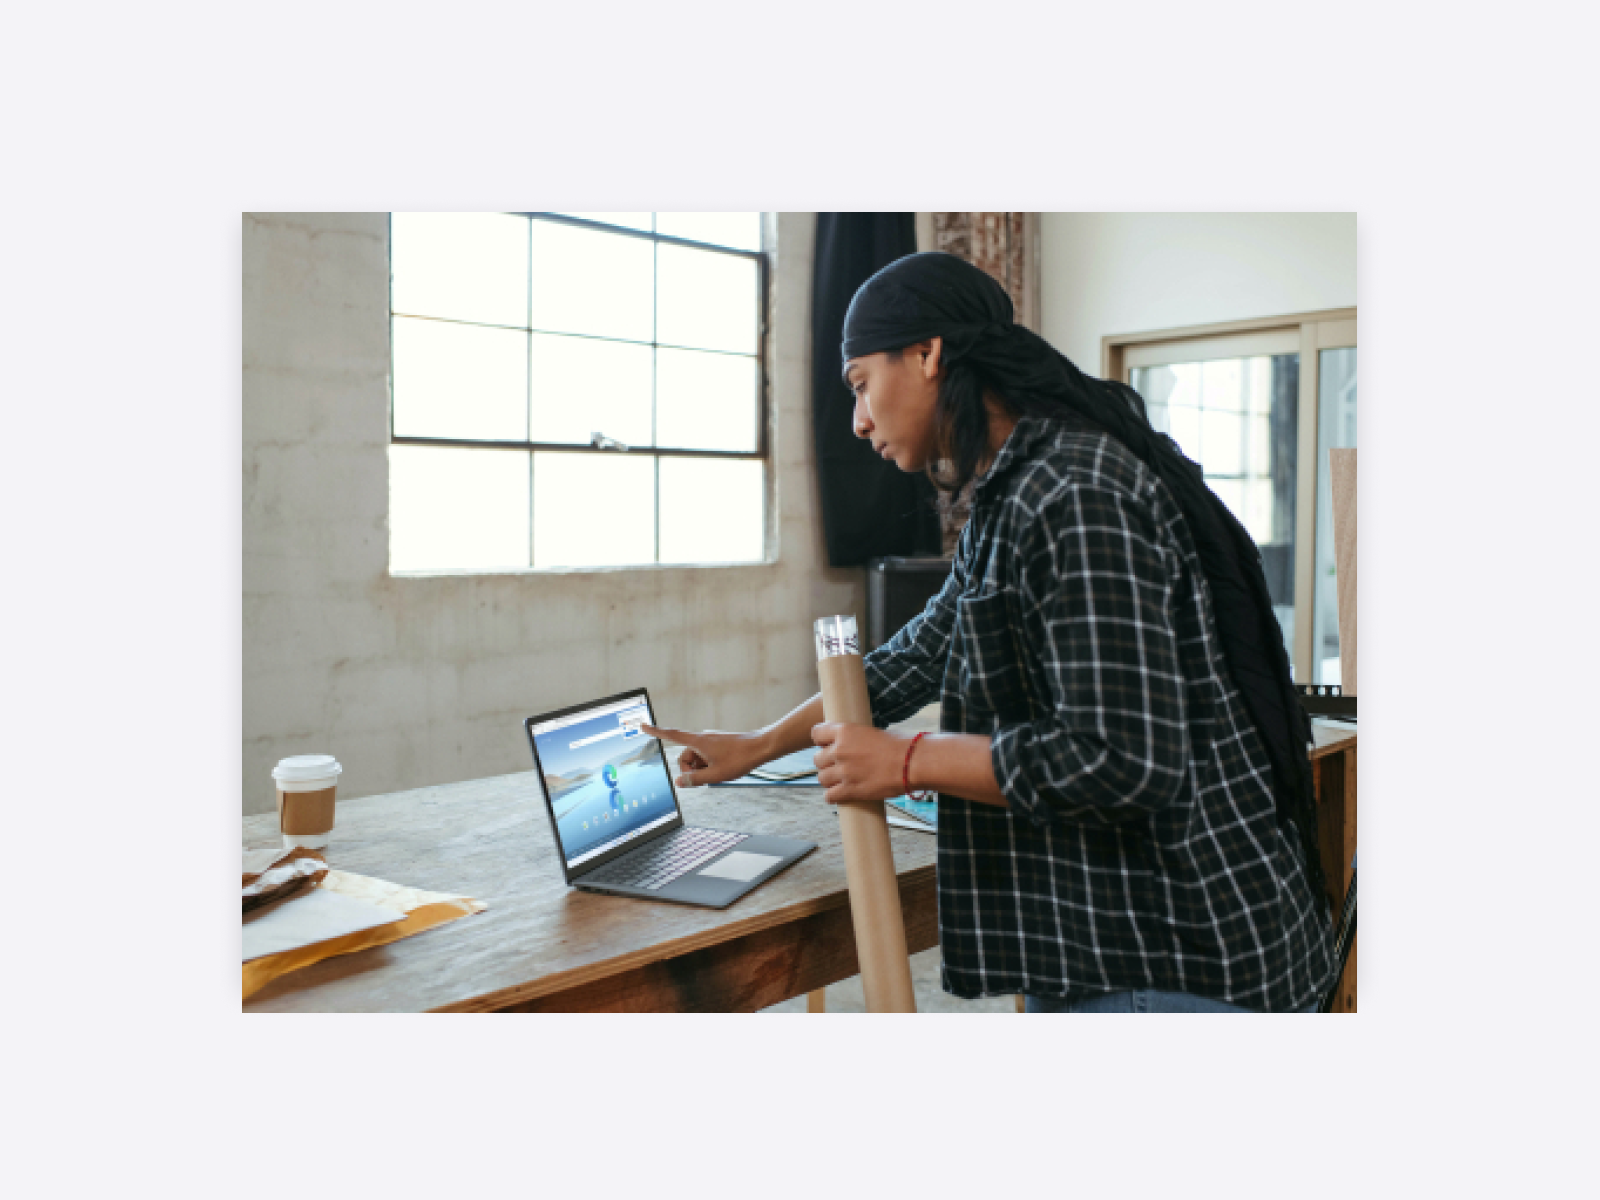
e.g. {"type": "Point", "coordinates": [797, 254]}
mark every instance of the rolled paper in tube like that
{"type": "Point", "coordinates": [868, 859]}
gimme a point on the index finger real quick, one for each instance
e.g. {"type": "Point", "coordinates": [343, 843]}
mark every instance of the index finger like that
{"type": "Point", "coordinates": [670, 735]}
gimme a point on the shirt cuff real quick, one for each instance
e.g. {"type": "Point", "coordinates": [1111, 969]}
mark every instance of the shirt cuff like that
{"type": "Point", "coordinates": [887, 706]}
{"type": "Point", "coordinates": [1008, 746]}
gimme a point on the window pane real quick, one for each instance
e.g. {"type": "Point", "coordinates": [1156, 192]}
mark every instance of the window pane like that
{"type": "Point", "coordinates": [1238, 419]}
{"type": "Point", "coordinates": [1231, 493]}
{"type": "Point", "coordinates": [582, 386]}
{"type": "Point", "coordinates": [711, 510]}
{"type": "Point", "coordinates": [1336, 430]}
{"type": "Point", "coordinates": [457, 509]}
{"type": "Point", "coordinates": [1172, 399]}
{"type": "Point", "coordinates": [1259, 431]}
{"type": "Point", "coordinates": [593, 510]}
{"type": "Point", "coordinates": [459, 381]}
{"type": "Point", "coordinates": [1185, 430]}
{"type": "Point", "coordinates": [705, 401]}
{"type": "Point", "coordinates": [591, 282]}
{"type": "Point", "coordinates": [1221, 443]}
{"type": "Point", "coordinates": [707, 301]}
{"type": "Point", "coordinates": [461, 266]}
{"type": "Point", "coordinates": [1222, 385]}
{"type": "Point", "coordinates": [628, 220]}
{"type": "Point", "coordinates": [738, 231]}
{"type": "Point", "coordinates": [1257, 500]}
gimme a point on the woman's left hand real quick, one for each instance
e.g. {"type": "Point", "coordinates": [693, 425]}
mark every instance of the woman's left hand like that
{"type": "Point", "coordinates": [858, 762]}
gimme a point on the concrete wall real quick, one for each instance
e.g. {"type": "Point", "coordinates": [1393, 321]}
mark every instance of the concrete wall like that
{"type": "Point", "coordinates": [1114, 273]}
{"type": "Point", "coordinates": [414, 681]}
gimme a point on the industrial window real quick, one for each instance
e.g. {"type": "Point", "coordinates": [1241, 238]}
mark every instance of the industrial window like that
{"type": "Point", "coordinates": [576, 390]}
{"type": "Point", "coordinates": [1240, 400]}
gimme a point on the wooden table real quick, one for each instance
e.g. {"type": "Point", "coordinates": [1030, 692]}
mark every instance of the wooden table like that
{"type": "Point", "coordinates": [542, 947]}
{"type": "Point", "coordinates": [1333, 768]}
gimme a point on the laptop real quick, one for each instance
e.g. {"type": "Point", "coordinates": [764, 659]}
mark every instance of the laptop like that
{"type": "Point", "coordinates": [615, 815]}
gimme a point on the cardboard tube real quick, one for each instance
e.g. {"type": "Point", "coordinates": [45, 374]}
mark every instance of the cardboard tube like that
{"type": "Point", "coordinates": [868, 858]}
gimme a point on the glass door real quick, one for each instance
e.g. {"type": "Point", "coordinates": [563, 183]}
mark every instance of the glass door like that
{"type": "Point", "coordinates": [1258, 404]}
{"type": "Point", "coordinates": [1336, 430]}
{"type": "Point", "coordinates": [1237, 417]}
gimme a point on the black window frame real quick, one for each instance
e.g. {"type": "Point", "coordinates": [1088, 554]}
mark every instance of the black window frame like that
{"type": "Point", "coordinates": [763, 305]}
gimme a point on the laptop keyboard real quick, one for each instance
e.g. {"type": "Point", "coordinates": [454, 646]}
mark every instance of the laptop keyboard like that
{"type": "Point", "coordinates": [654, 866]}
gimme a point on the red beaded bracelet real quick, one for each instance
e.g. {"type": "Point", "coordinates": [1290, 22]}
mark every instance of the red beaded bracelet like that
{"type": "Point", "coordinates": [905, 771]}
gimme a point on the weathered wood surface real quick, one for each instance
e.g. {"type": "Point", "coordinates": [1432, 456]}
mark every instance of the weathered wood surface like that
{"type": "Point", "coordinates": [752, 971]}
{"type": "Point", "coordinates": [542, 944]}
{"type": "Point", "coordinates": [1334, 773]}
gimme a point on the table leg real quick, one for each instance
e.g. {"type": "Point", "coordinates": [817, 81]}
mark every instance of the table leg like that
{"type": "Point", "coordinates": [817, 1001]}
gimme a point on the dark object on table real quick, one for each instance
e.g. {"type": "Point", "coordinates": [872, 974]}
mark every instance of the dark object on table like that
{"type": "Point", "coordinates": [897, 590]}
{"type": "Point", "coordinates": [1325, 700]}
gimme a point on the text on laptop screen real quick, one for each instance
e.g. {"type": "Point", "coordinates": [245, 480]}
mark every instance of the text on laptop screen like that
{"type": "Point", "coordinates": [607, 779]}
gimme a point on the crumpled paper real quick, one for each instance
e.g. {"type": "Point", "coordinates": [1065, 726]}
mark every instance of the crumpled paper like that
{"type": "Point", "coordinates": [423, 910]}
{"type": "Point", "coordinates": [272, 876]}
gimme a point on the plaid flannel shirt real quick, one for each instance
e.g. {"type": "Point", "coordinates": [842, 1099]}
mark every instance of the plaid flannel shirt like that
{"type": "Point", "coordinates": [1141, 847]}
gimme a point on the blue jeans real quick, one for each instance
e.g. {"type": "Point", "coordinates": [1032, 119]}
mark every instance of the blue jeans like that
{"type": "Point", "coordinates": [1131, 1002]}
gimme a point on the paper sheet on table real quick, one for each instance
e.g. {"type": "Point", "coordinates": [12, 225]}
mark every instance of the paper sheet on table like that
{"type": "Point", "coordinates": [423, 910]}
{"type": "Point", "coordinates": [318, 916]}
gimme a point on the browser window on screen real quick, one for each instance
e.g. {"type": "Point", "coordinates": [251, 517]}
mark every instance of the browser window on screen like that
{"type": "Point", "coordinates": [607, 780]}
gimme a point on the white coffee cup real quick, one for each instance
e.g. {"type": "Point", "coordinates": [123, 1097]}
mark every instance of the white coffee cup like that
{"type": "Point", "coordinates": [306, 786]}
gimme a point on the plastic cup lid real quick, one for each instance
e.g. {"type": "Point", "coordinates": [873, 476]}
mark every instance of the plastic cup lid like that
{"type": "Point", "coordinates": [306, 766]}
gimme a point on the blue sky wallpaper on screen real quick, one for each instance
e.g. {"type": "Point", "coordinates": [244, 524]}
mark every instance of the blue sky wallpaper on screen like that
{"type": "Point", "coordinates": [606, 779]}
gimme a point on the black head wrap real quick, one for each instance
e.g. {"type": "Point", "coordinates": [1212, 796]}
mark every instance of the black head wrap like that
{"type": "Point", "coordinates": [922, 296]}
{"type": "Point", "coordinates": [928, 295]}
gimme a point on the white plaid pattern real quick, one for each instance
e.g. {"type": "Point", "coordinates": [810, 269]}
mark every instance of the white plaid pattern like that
{"type": "Point", "coordinates": [1141, 848]}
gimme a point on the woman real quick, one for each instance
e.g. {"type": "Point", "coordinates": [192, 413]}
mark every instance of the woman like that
{"type": "Point", "coordinates": [1125, 818]}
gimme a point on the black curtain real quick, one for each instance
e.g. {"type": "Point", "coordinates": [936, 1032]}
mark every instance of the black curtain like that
{"type": "Point", "coordinates": [870, 507]}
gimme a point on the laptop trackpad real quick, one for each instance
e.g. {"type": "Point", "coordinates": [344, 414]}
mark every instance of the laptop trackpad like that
{"type": "Point", "coordinates": [740, 865]}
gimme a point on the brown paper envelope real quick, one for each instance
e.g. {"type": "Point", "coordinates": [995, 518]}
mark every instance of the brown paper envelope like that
{"type": "Point", "coordinates": [424, 910]}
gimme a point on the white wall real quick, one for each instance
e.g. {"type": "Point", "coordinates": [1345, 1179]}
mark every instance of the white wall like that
{"type": "Point", "coordinates": [1113, 273]}
{"type": "Point", "coordinates": [418, 681]}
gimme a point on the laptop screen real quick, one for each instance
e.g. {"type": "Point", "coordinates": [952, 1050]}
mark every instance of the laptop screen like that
{"type": "Point", "coordinates": [606, 780]}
